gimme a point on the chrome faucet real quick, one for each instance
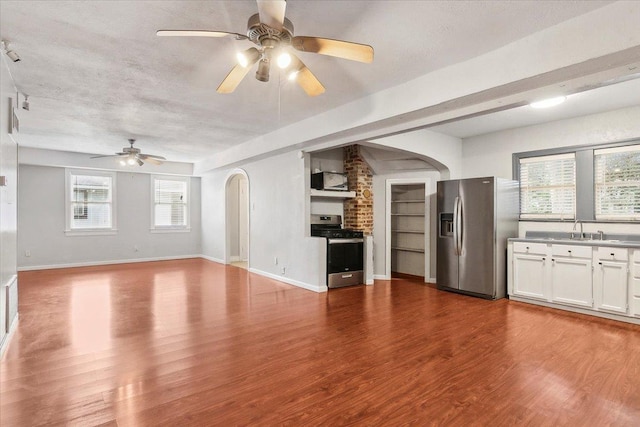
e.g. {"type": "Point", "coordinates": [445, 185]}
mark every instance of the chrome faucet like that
{"type": "Point", "coordinates": [601, 234]}
{"type": "Point", "coordinates": [573, 233]}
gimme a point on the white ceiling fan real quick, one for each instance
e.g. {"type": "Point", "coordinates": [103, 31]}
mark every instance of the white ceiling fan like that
{"type": "Point", "coordinates": [272, 33]}
{"type": "Point", "coordinates": [131, 156]}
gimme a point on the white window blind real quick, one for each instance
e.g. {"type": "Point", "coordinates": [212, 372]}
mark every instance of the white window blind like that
{"type": "Point", "coordinates": [170, 208]}
{"type": "Point", "coordinates": [617, 183]}
{"type": "Point", "coordinates": [90, 199]}
{"type": "Point", "coordinates": [548, 187]}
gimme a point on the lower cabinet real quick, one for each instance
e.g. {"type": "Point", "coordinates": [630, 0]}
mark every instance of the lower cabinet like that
{"type": "Point", "coordinates": [595, 278]}
{"type": "Point", "coordinates": [529, 278]}
{"type": "Point", "coordinates": [572, 281]}
{"type": "Point", "coordinates": [634, 286]}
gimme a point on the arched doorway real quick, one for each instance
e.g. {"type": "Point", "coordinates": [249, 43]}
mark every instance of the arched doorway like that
{"type": "Point", "coordinates": [237, 219]}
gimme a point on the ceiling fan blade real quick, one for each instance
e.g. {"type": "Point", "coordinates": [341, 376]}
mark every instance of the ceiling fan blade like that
{"type": "Point", "coordinates": [198, 33]}
{"type": "Point", "coordinates": [338, 48]}
{"type": "Point", "coordinates": [272, 12]}
{"type": "Point", "coordinates": [151, 156]}
{"type": "Point", "coordinates": [105, 155]}
{"type": "Point", "coordinates": [233, 79]}
{"type": "Point", "coordinates": [150, 160]}
{"type": "Point", "coordinates": [308, 81]}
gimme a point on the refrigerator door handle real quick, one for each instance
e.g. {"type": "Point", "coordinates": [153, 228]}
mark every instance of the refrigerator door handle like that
{"type": "Point", "coordinates": [456, 247]}
{"type": "Point", "coordinates": [459, 225]}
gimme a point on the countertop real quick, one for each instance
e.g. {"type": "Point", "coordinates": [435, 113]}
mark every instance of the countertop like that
{"type": "Point", "coordinates": [611, 240]}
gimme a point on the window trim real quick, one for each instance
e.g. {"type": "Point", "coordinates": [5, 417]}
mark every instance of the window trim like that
{"type": "Point", "coordinates": [585, 183]}
{"type": "Point", "coordinates": [68, 211]}
{"type": "Point", "coordinates": [557, 216]}
{"type": "Point", "coordinates": [169, 228]}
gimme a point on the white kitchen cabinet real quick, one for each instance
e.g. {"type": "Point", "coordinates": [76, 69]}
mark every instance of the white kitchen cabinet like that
{"type": "Point", "coordinates": [634, 286]}
{"type": "Point", "coordinates": [590, 279]}
{"type": "Point", "coordinates": [572, 281]}
{"type": "Point", "coordinates": [611, 282]}
{"type": "Point", "coordinates": [530, 270]}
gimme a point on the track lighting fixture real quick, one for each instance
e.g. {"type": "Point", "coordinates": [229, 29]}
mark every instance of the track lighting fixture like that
{"type": "Point", "coordinates": [10, 53]}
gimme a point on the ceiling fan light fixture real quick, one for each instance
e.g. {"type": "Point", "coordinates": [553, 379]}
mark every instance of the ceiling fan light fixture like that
{"type": "Point", "coordinates": [248, 57]}
{"type": "Point", "coordinates": [284, 60]}
{"type": "Point", "coordinates": [550, 102]}
{"type": "Point", "coordinates": [131, 160]}
{"type": "Point", "coordinates": [263, 70]}
{"type": "Point", "coordinates": [294, 68]}
{"type": "Point", "coordinates": [123, 163]}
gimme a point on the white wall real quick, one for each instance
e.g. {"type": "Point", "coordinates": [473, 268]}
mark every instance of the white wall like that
{"type": "Point", "coordinates": [277, 221]}
{"type": "Point", "coordinates": [8, 195]}
{"type": "Point", "coordinates": [491, 154]}
{"type": "Point", "coordinates": [41, 224]}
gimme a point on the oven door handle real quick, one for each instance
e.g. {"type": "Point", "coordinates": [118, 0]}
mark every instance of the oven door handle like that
{"type": "Point", "coordinates": [338, 241]}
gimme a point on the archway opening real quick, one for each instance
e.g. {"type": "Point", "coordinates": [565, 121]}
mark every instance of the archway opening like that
{"type": "Point", "coordinates": [237, 220]}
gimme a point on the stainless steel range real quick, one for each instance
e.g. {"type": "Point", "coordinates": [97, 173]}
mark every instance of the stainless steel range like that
{"type": "Point", "coordinates": [345, 255]}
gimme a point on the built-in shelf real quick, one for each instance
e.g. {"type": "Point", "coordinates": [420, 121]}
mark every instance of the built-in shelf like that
{"type": "Point", "coordinates": [407, 201]}
{"type": "Point", "coordinates": [408, 249]}
{"type": "Point", "coordinates": [333, 194]}
{"type": "Point", "coordinates": [407, 214]}
{"type": "Point", "coordinates": [408, 231]}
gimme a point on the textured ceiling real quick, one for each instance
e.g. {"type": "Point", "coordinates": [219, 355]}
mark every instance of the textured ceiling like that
{"type": "Point", "coordinates": [96, 73]}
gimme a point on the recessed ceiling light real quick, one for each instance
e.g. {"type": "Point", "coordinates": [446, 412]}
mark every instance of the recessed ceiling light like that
{"type": "Point", "coordinates": [551, 102]}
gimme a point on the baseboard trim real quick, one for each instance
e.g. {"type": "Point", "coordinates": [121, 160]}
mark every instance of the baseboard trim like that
{"type": "Point", "coordinates": [293, 282]}
{"type": "Point", "coordinates": [7, 338]}
{"type": "Point", "coordinates": [381, 277]}
{"type": "Point", "coordinates": [212, 259]}
{"type": "Point", "coordinates": [431, 280]}
{"type": "Point", "coordinates": [108, 262]}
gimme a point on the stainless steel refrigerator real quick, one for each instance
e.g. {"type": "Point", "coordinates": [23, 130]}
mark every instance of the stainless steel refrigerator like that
{"type": "Point", "coordinates": [475, 218]}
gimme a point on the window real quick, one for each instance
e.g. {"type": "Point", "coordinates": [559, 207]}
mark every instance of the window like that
{"type": "Point", "coordinates": [617, 183]}
{"type": "Point", "coordinates": [90, 202]}
{"type": "Point", "coordinates": [170, 210]}
{"type": "Point", "coordinates": [548, 187]}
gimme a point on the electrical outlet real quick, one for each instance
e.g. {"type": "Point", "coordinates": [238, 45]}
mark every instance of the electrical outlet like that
{"type": "Point", "coordinates": [283, 270]}
{"type": "Point", "coordinates": [275, 260]}
{"type": "Point", "coordinates": [27, 253]}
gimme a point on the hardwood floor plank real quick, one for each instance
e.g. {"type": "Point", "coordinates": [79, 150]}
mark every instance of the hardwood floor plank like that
{"type": "Point", "coordinates": [191, 342]}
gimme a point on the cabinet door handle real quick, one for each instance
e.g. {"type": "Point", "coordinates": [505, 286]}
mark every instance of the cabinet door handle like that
{"type": "Point", "coordinates": [543, 258]}
{"type": "Point", "coordinates": [613, 254]}
{"type": "Point", "coordinates": [600, 263]}
{"type": "Point", "coordinates": [527, 247]}
{"type": "Point", "coordinates": [569, 251]}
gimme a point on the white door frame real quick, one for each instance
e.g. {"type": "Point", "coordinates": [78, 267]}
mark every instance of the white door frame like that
{"type": "Point", "coordinates": [427, 218]}
{"type": "Point", "coordinates": [227, 231]}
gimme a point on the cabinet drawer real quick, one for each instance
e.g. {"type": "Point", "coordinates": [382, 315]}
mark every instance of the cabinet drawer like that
{"type": "Point", "coordinates": [617, 254]}
{"type": "Point", "coordinates": [530, 248]}
{"type": "Point", "coordinates": [571, 251]}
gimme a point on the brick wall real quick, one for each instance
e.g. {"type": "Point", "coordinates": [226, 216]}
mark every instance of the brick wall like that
{"type": "Point", "coordinates": [358, 212]}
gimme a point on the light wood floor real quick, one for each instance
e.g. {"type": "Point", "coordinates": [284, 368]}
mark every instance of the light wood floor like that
{"type": "Point", "coordinates": [192, 342]}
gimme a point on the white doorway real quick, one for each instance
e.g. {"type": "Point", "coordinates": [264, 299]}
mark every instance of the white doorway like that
{"type": "Point", "coordinates": [237, 219]}
{"type": "Point", "coordinates": [408, 245]}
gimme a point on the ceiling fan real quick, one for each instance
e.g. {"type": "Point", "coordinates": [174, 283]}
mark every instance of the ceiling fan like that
{"type": "Point", "coordinates": [272, 33]}
{"type": "Point", "coordinates": [131, 156]}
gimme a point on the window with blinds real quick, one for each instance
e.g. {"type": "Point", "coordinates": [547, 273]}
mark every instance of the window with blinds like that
{"type": "Point", "coordinates": [617, 183]}
{"type": "Point", "coordinates": [170, 202]}
{"type": "Point", "coordinates": [90, 201]}
{"type": "Point", "coordinates": [548, 187]}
